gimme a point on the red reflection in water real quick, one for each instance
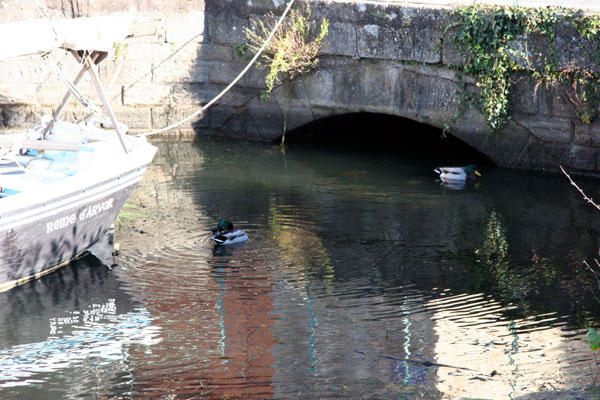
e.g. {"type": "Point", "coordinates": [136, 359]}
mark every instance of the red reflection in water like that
{"type": "Point", "coordinates": [247, 370]}
{"type": "Point", "coordinates": [217, 340]}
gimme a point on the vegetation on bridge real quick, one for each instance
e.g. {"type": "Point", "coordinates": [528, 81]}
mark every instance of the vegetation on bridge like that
{"type": "Point", "coordinates": [294, 48]}
{"type": "Point", "coordinates": [496, 41]}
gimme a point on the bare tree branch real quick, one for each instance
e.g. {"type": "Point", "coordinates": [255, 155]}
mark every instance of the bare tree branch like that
{"type": "Point", "coordinates": [579, 189]}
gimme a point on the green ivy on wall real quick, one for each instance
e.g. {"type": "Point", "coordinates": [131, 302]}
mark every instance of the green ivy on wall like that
{"type": "Point", "coordinates": [495, 43]}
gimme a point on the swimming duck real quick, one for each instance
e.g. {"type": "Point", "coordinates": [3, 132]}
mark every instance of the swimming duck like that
{"type": "Point", "coordinates": [457, 174]}
{"type": "Point", "coordinates": [225, 233]}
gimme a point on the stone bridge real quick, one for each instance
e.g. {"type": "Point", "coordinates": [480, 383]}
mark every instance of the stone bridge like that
{"type": "Point", "coordinates": [387, 57]}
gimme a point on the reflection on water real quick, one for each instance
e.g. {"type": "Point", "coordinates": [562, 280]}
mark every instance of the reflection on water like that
{"type": "Point", "coordinates": [363, 278]}
{"type": "Point", "coordinates": [68, 335]}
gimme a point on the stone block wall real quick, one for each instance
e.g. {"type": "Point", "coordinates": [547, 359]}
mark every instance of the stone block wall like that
{"type": "Point", "coordinates": [385, 57]}
{"type": "Point", "coordinates": [149, 79]}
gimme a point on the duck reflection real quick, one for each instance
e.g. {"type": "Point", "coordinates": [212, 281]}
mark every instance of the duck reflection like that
{"type": "Point", "coordinates": [219, 250]}
{"type": "Point", "coordinates": [454, 185]}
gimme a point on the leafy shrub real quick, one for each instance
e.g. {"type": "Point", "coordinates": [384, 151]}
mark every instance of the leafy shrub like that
{"type": "Point", "coordinates": [294, 48]}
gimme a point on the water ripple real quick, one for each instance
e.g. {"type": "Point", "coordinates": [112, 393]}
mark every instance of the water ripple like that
{"type": "Point", "coordinates": [360, 280]}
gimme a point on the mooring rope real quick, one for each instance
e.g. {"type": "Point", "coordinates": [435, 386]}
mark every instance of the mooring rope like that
{"type": "Point", "coordinates": [232, 84]}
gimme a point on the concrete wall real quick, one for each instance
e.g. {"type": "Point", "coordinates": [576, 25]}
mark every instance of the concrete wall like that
{"type": "Point", "coordinates": [379, 57]}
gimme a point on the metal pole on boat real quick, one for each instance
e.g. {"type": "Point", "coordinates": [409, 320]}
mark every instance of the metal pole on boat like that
{"type": "Point", "coordinates": [96, 80]}
{"type": "Point", "coordinates": [63, 103]}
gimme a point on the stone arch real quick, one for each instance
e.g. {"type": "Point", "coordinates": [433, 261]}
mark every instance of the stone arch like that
{"type": "Point", "coordinates": [386, 133]}
{"type": "Point", "coordinates": [424, 94]}
{"type": "Point", "coordinates": [428, 95]}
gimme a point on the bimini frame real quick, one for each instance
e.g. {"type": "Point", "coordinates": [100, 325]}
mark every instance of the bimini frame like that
{"type": "Point", "coordinates": [87, 39]}
{"type": "Point", "coordinates": [89, 61]}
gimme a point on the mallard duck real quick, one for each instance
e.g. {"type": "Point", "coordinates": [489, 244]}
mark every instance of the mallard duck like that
{"type": "Point", "coordinates": [225, 233]}
{"type": "Point", "coordinates": [457, 174]}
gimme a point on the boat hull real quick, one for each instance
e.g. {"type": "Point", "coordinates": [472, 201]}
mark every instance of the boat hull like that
{"type": "Point", "coordinates": [59, 230]}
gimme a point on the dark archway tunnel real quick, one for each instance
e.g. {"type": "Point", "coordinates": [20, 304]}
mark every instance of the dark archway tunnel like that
{"type": "Point", "coordinates": [381, 134]}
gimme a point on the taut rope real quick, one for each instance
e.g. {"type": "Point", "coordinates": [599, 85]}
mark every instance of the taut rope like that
{"type": "Point", "coordinates": [237, 78]}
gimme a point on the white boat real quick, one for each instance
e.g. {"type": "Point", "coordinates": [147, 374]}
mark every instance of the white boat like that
{"type": "Point", "coordinates": [63, 184]}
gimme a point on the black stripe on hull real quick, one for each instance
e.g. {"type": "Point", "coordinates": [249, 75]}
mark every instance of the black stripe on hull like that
{"type": "Point", "coordinates": [44, 244]}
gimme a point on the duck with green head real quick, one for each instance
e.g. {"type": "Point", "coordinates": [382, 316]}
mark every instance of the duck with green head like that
{"type": "Point", "coordinates": [457, 174]}
{"type": "Point", "coordinates": [225, 233]}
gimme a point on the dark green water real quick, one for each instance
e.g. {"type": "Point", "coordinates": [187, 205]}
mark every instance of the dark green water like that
{"type": "Point", "coordinates": [363, 278]}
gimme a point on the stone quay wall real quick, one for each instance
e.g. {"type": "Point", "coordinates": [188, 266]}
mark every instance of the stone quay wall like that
{"type": "Point", "coordinates": [149, 79]}
{"type": "Point", "coordinates": [390, 57]}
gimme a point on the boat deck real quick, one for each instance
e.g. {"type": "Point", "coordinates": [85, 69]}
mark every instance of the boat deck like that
{"type": "Point", "coordinates": [34, 169]}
